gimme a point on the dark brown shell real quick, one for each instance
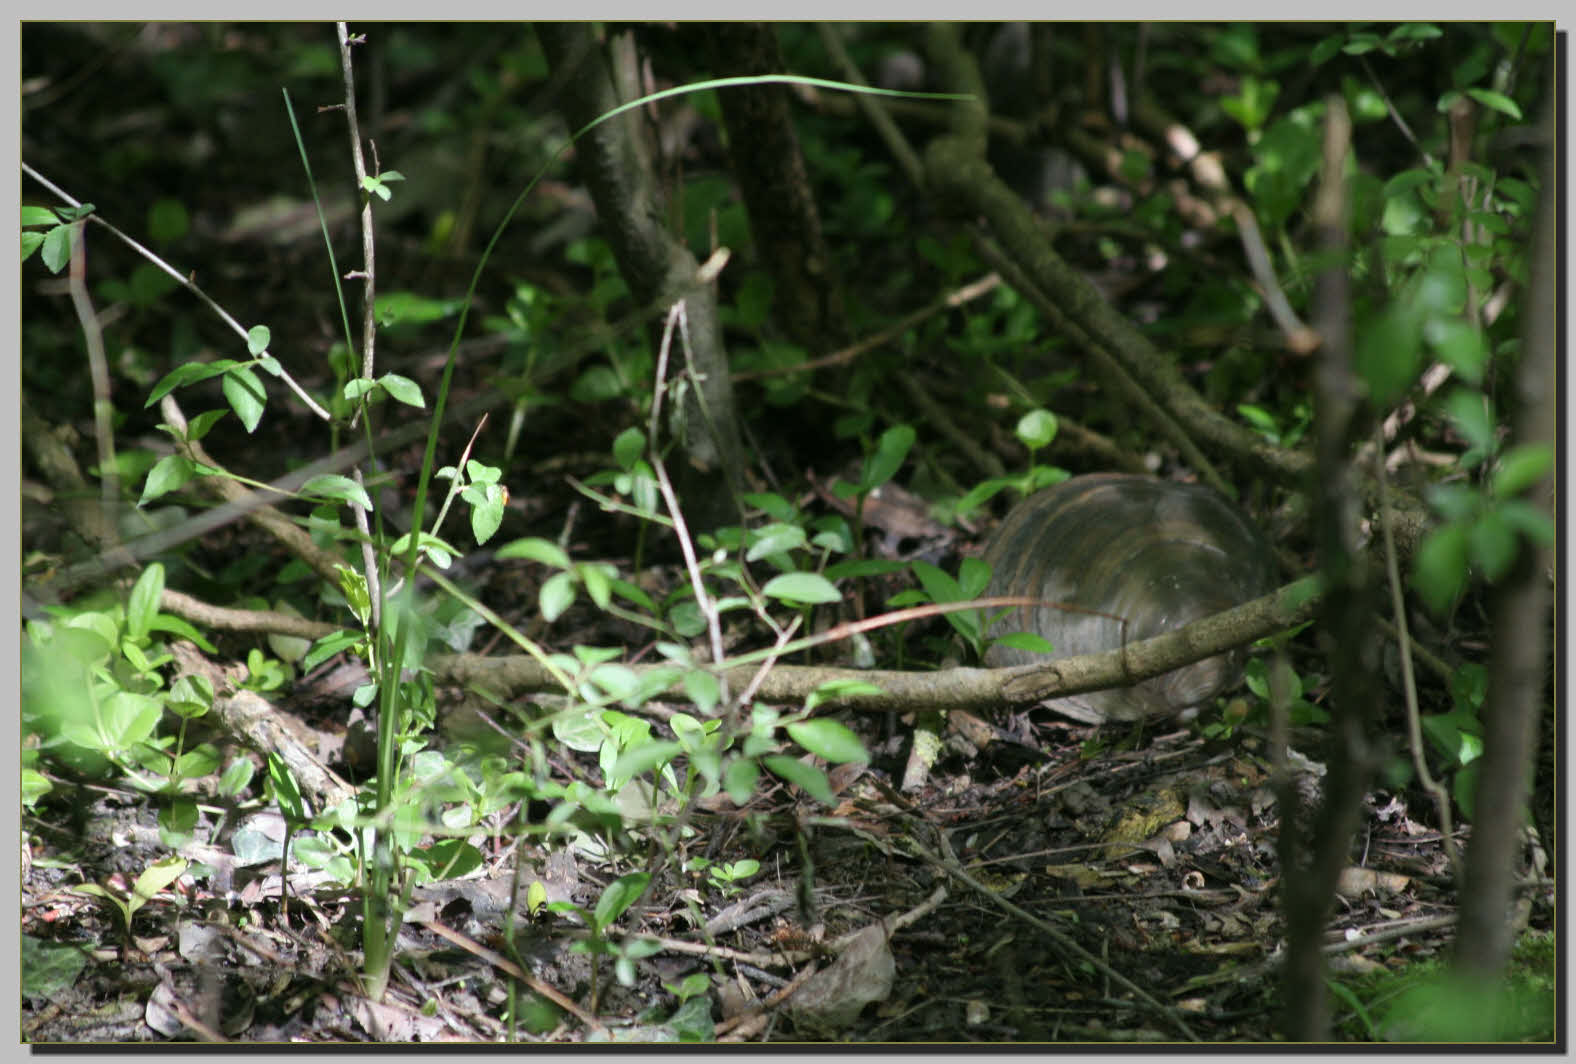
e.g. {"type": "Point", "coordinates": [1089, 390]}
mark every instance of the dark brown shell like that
{"type": "Point", "coordinates": [1155, 552]}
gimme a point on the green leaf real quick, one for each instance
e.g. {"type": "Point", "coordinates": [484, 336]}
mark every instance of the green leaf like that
{"type": "Point", "coordinates": [237, 776]}
{"type": "Point", "coordinates": [403, 389]}
{"type": "Point", "coordinates": [354, 587]}
{"type": "Point", "coordinates": [410, 308]}
{"type": "Point", "coordinates": [739, 780]}
{"type": "Point", "coordinates": [1440, 566]}
{"type": "Point", "coordinates": [38, 216]}
{"type": "Point", "coordinates": [1493, 545]}
{"type": "Point", "coordinates": [1459, 345]}
{"type": "Point", "coordinates": [334, 486]}
{"type": "Point", "coordinates": [49, 969]}
{"type": "Point", "coordinates": [937, 583]}
{"type": "Point", "coordinates": [807, 778]}
{"type": "Point", "coordinates": [31, 242]}
{"type": "Point", "coordinates": [703, 690]}
{"type": "Point", "coordinates": [597, 579]}
{"type": "Point", "coordinates": [618, 897]}
{"type": "Point", "coordinates": [143, 605]}
{"type": "Point", "coordinates": [57, 247]}
{"type": "Point", "coordinates": [157, 876]}
{"type": "Point", "coordinates": [244, 390]}
{"type": "Point", "coordinates": [199, 426]}
{"type": "Point", "coordinates": [257, 338]}
{"type": "Point", "coordinates": [286, 793]}
{"type": "Point", "coordinates": [1036, 429]}
{"type": "Point", "coordinates": [189, 373]}
{"type": "Point", "coordinates": [1521, 467]}
{"type": "Point", "coordinates": [1029, 641]}
{"type": "Point", "coordinates": [536, 550]}
{"type": "Point", "coordinates": [34, 786]}
{"type": "Point", "coordinates": [838, 691]}
{"type": "Point", "coordinates": [628, 448]}
{"type": "Point", "coordinates": [774, 539]}
{"type": "Point", "coordinates": [891, 450]}
{"type": "Point", "coordinates": [1469, 411]}
{"type": "Point", "coordinates": [556, 596]}
{"type": "Point", "coordinates": [801, 589]}
{"type": "Point", "coordinates": [1388, 353]}
{"type": "Point", "coordinates": [487, 516]}
{"type": "Point", "coordinates": [829, 739]}
{"type": "Point", "coordinates": [1496, 101]}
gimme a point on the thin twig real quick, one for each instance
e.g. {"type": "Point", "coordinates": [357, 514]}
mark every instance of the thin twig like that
{"type": "Point", "coordinates": [184, 281]}
{"type": "Point", "coordinates": [369, 333]}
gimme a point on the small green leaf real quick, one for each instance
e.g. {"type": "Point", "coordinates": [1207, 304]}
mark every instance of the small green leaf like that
{"type": "Point", "coordinates": [38, 216]}
{"type": "Point", "coordinates": [628, 448]}
{"type": "Point", "coordinates": [157, 876]}
{"type": "Point", "coordinates": [1496, 101]}
{"type": "Point", "coordinates": [1521, 467]}
{"type": "Point", "coordinates": [536, 550]}
{"type": "Point", "coordinates": [237, 776]}
{"type": "Point", "coordinates": [143, 605]}
{"type": "Point", "coordinates": [257, 338]}
{"type": "Point", "coordinates": [1440, 566]}
{"type": "Point", "coordinates": [829, 739]}
{"type": "Point", "coordinates": [556, 596]}
{"type": "Point", "coordinates": [286, 793]}
{"type": "Point", "coordinates": [618, 897]}
{"type": "Point", "coordinates": [1036, 429]}
{"type": "Point", "coordinates": [403, 389]}
{"type": "Point", "coordinates": [244, 390]}
{"type": "Point", "coordinates": [189, 373]}
{"type": "Point", "coordinates": [199, 426]}
{"type": "Point", "coordinates": [807, 778]}
{"type": "Point", "coordinates": [487, 516]}
{"type": "Point", "coordinates": [333, 486]}
{"type": "Point", "coordinates": [57, 247]}
{"type": "Point", "coordinates": [890, 452]}
{"type": "Point", "coordinates": [801, 589]}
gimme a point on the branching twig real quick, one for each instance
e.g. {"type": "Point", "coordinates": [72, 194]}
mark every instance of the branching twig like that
{"type": "Point", "coordinates": [184, 282]}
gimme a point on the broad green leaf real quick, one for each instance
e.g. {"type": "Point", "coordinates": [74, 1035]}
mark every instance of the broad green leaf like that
{"type": "Point", "coordinates": [536, 550]}
{"type": "Point", "coordinates": [774, 539]}
{"type": "Point", "coordinates": [890, 452]}
{"type": "Point", "coordinates": [1496, 101]}
{"type": "Point", "coordinates": [807, 778]}
{"type": "Point", "coordinates": [801, 589]}
{"type": "Point", "coordinates": [189, 373]}
{"type": "Point", "coordinates": [1440, 566]}
{"type": "Point", "coordinates": [1521, 467]}
{"type": "Point", "coordinates": [1036, 429]}
{"type": "Point", "coordinates": [286, 793]}
{"type": "Point", "coordinates": [157, 876]}
{"type": "Point", "coordinates": [829, 739]}
{"type": "Point", "coordinates": [556, 596]}
{"type": "Point", "coordinates": [628, 448]}
{"type": "Point", "coordinates": [143, 605]}
{"type": "Point", "coordinates": [403, 389]}
{"type": "Point", "coordinates": [57, 247]}
{"type": "Point", "coordinates": [333, 486]}
{"type": "Point", "coordinates": [244, 390]}
{"type": "Point", "coordinates": [618, 897]}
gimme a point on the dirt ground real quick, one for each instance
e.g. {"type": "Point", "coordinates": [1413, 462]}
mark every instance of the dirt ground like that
{"type": "Point", "coordinates": [1025, 894]}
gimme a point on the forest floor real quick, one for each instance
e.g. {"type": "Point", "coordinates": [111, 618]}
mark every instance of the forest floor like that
{"type": "Point", "coordinates": [1039, 889]}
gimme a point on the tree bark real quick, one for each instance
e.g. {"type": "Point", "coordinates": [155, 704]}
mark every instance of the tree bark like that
{"type": "Point", "coordinates": [770, 170]}
{"type": "Point", "coordinates": [658, 268]}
